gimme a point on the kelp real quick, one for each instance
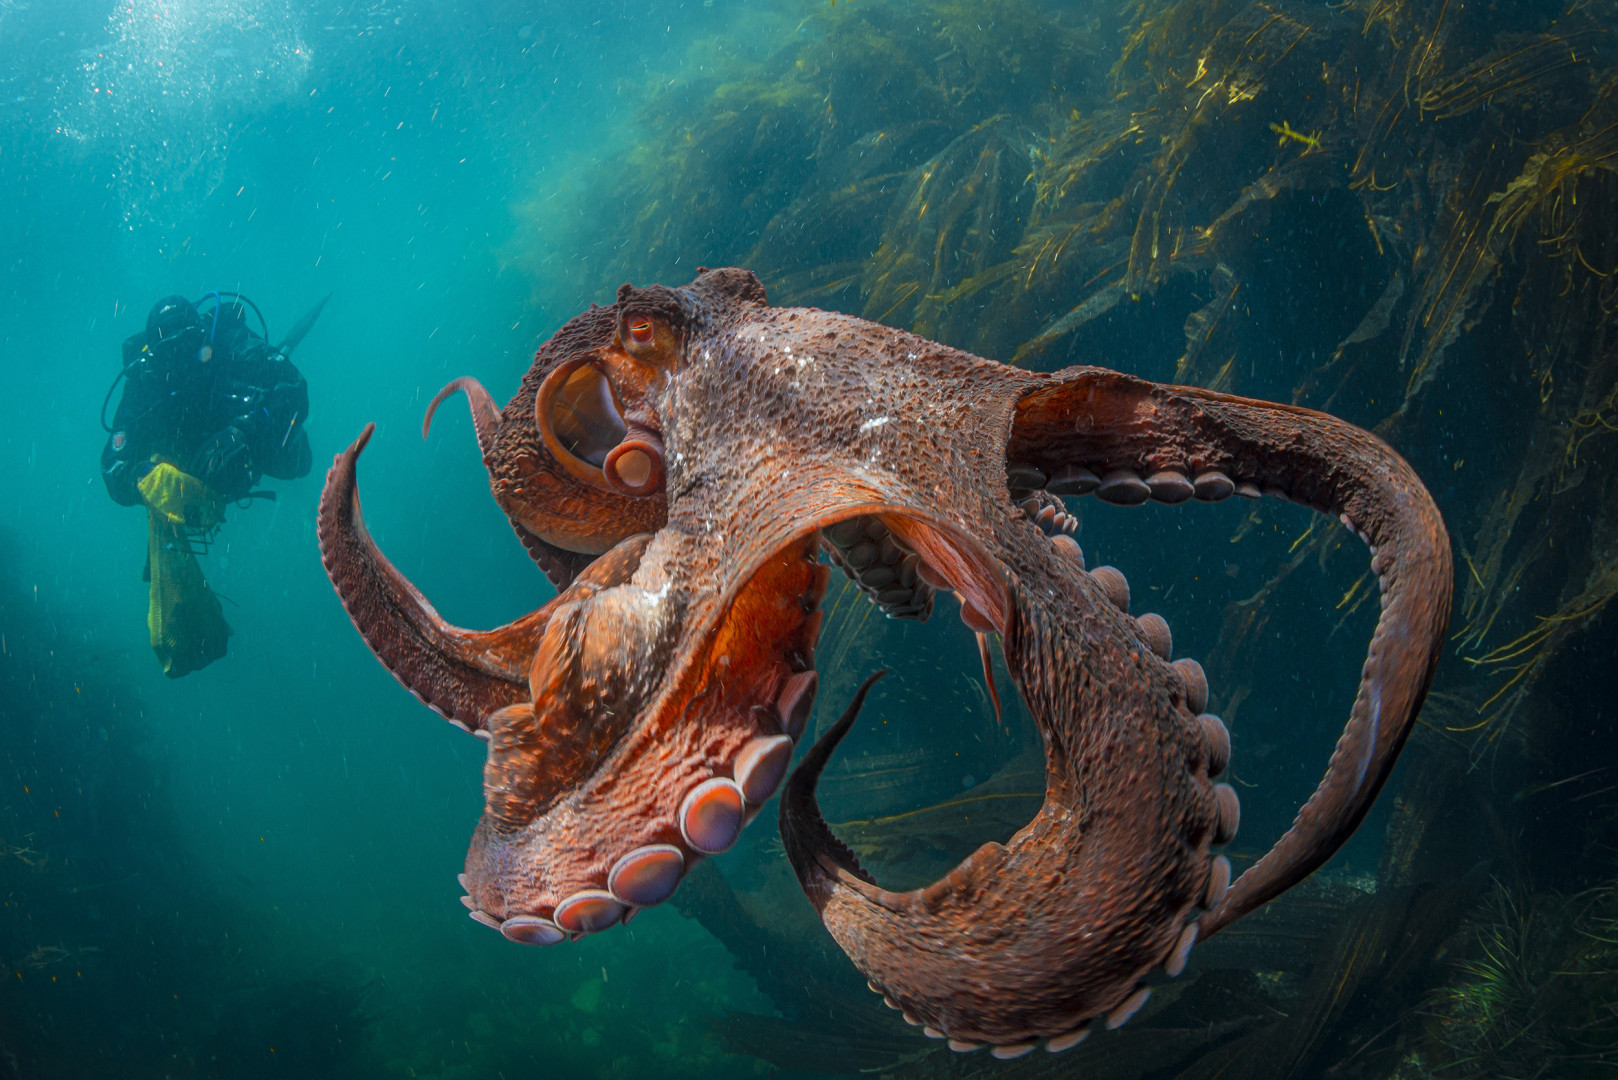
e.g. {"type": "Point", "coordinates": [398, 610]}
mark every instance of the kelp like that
{"type": "Point", "coordinates": [1351, 995]}
{"type": "Point", "coordinates": [1556, 508]}
{"type": "Point", "coordinates": [1520, 69]}
{"type": "Point", "coordinates": [1534, 991]}
{"type": "Point", "coordinates": [955, 224]}
{"type": "Point", "coordinates": [828, 1020]}
{"type": "Point", "coordinates": [923, 843]}
{"type": "Point", "coordinates": [854, 96]}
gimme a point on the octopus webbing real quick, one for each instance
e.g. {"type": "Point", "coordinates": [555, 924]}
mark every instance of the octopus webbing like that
{"type": "Point", "coordinates": [680, 462]}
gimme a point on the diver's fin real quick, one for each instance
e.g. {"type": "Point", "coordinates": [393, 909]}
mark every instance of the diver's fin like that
{"type": "Point", "coordinates": [301, 329]}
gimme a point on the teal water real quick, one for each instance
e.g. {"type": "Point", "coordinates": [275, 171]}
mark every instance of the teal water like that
{"type": "Point", "coordinates": [290, 811]}
{"type": "Point", "coordinates": [250, 871]}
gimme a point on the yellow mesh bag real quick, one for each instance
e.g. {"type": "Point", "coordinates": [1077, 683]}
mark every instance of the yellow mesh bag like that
{"type": "Point", "coordinates": [187, 624]}
{"type": "Point", "coordinates": [180, 498]}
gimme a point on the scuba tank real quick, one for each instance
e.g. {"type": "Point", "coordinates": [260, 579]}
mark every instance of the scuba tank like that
{"type": "Point", "coordinates": [174, 322]}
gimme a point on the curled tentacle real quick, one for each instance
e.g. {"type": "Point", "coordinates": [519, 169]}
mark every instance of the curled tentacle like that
{"type": "Point", "coordinates": [559, 565]}
{"type": "Point", "coordinates": [463, 675]}
{"type": "Point", "coordinates": [1104, 422]}
{"type": "Point", "coordinates": [485, 413]}
{"type": "Point", "coordinates": [1003, 949]}
{"type": "Point", "coordinates": [804, 832]}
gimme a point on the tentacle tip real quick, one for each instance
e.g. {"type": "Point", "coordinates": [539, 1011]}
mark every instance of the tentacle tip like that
{"type": "Point", "coordinates": [432, 407]}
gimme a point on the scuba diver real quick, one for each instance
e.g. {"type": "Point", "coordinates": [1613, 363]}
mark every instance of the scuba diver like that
{"type": "Point", "coordinates": [210, 407]}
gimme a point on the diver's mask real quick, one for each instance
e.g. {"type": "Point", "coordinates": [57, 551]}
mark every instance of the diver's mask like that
{"type": "Point", "coordinates": [176, 342]}
{"type": "Point", "coordinates": [182, 355]}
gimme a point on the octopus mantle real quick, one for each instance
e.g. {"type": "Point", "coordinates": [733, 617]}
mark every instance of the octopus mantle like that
{"type": "Point", "coordinates": [679, 462]}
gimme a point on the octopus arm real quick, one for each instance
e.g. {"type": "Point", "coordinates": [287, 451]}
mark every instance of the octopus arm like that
{"type": "Point", "coordinates": [560, 566]}
{"type": "Point", "coordinates": [1100, 422]}
{"type": "Point", "coordinates": [485, 413]}
{"type": "Point", "coordinates": [463, 675]}
{"type": "Point", "coordinates": [815, 852]}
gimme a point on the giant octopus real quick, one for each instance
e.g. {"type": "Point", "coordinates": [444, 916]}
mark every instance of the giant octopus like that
{"type": "Point", "coordinates": [679, 462]}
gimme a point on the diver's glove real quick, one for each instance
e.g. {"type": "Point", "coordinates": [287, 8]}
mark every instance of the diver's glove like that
{"type": "Point", "coordinates": [179, 498]}
{"type": "Point", "coordinates": [226, 460]}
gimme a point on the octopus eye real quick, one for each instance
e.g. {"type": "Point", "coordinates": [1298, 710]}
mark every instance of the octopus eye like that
{"type": "Point", "coordinates": [640, 330]}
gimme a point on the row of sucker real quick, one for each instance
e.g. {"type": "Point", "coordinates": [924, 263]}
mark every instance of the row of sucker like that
{"type": "Point", "coordinates": [1032, 491]}
{"type": "Point", "coordinates": [1126, 486]}
{"type": "Point", "coordinates": [710, 820]}
{"type": "Point", "coordinates": [1046, 511]}
{"type": "Point", "coordinates": [883, 567]}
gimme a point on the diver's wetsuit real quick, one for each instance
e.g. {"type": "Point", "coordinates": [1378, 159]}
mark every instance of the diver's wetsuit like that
{"type": "Point", "coordinates": [227, 420]}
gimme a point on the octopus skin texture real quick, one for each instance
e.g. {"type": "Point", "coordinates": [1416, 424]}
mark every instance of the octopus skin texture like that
{"type": "Point", "coordinates": [685, 463]}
